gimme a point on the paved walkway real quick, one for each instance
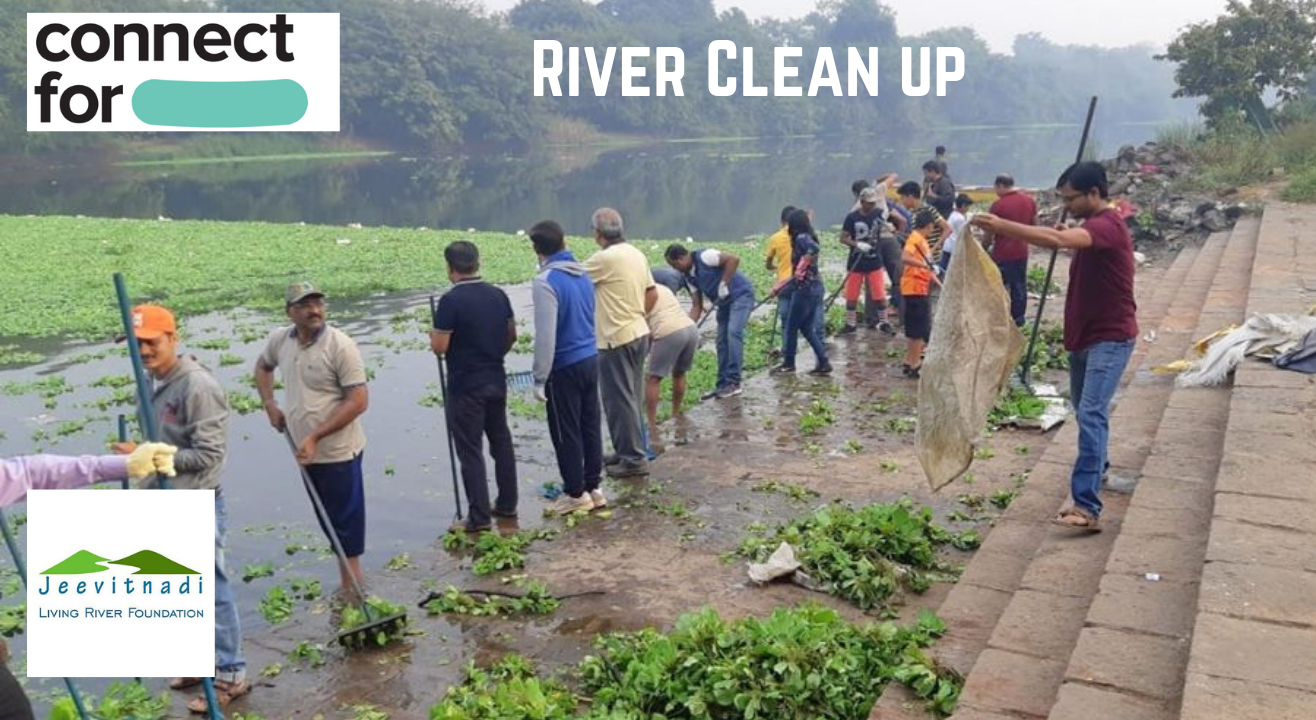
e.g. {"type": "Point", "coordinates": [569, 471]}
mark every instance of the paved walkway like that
{"type": "Point", "coordinates": [1253, 651]}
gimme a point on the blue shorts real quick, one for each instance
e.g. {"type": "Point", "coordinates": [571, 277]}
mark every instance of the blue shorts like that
{"type": "Point", "coordinates": [342, 491]}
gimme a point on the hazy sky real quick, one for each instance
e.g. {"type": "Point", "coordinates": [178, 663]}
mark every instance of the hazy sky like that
{"type": "Point", "coordinates": [1101, 22]}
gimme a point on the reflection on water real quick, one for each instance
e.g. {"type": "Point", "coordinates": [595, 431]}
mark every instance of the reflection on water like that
{"type": "Point", "coordinates": [715, 191]}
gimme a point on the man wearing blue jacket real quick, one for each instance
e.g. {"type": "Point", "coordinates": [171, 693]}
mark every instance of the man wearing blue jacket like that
{"type": "Point", "coordinates": [567, 368]}
{"type": "Point", "coordinates": [715, 275]}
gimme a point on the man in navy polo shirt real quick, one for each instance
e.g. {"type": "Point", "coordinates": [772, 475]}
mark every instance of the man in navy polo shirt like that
{"type": "Point", "coordinates": [714, 274]}
{"type": "Point", "coordinates": [474, 329]}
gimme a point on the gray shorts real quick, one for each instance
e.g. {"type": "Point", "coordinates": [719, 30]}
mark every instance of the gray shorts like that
{"type": "Point", "coordinates": [674, 353]}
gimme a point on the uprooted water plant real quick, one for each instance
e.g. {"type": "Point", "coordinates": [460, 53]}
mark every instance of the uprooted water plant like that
{"type": "Point", "coordinates": [354, 617]}
{"type": "Point", "coordinates": [797, 664]}
{"type": "Point", "coordinates": [865, 555]}
{"type": "Point", "coordinates": [493, 552]}
{"type": "Point", "coordinates": [535, 600]}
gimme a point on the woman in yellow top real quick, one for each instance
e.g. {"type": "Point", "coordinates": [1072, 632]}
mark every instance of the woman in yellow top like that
{"type": "Point", "coordinates": [916, 280]}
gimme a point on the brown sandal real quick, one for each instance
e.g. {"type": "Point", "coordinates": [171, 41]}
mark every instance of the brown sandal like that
{"type": "Point", "coordinates": [1077, 519]}
{"type": "Point", "coordinates": [225, 693]}
{"type": "Point", "coordinates": [183, 683]}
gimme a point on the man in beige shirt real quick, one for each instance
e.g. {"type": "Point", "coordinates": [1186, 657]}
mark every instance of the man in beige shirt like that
{"type": "Point", "coordinates": [326, 395]}
{"type": "Point", "coordinates": [624, 292]}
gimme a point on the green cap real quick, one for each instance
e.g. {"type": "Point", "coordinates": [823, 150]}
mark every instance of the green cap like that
{"type": "Point", "coordinates": [299, 291]}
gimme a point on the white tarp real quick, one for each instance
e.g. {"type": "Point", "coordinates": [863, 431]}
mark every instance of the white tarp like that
{"type": "Point", "coordinates": [1263, 335]}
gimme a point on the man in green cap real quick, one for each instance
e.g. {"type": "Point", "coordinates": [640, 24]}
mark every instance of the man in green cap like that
{"type": "Point", "coordinates": [325, 381]}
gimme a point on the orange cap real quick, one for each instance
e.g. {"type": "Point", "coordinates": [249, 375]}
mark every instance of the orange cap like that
{"type": "Point", "coordinates": [152, 321]}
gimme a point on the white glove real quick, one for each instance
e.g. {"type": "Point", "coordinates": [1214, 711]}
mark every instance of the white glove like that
{"type": "Point", "coordinates": [864, 247]}
{"type": "Point", "coordinates": [541, 393]}
{"type": "Point", "coordinates": [723, 290]}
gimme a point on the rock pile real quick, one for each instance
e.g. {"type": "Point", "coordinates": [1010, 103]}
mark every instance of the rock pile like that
{"type": "Point", "coordinates": [1145, 184]}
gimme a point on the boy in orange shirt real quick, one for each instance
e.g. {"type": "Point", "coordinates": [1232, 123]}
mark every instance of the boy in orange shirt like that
{"type": "Point", "coordinates": [915, 281]}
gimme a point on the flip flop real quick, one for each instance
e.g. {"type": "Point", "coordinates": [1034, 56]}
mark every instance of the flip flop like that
{"type": "Point", "coordinates": [183, 683]}
{"type": "Point", "coordinates": [1076, 519]}
{"type": "Point", "coordinates": [225, 693]}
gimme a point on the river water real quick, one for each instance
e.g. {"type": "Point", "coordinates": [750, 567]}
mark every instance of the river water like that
{"type": "Point", "coordinates": [722, 190]}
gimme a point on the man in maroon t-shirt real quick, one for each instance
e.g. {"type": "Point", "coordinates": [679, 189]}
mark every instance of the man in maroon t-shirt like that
{"type": "Point", "coordinates": [1009, 252]}
{"type": "Point", "coordinates": [1100, 320]}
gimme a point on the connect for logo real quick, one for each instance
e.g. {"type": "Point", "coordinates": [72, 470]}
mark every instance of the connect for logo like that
{"type": "Point", "coordinates": [216, 71]}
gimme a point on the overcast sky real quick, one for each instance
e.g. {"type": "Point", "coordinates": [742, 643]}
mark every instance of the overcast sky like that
{"type": "Point", "coordinates": [1111, 23]}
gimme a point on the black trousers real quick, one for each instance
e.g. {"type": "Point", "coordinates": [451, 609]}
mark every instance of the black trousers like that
{"type": "Point", "coordinates": [1014, 273]}
{"type": "Point", "coordinates": [891, 252]}
{"type": "Point", "coordinates": [575, 426]}
{"type": "Point", "coordinates": [474, 415]}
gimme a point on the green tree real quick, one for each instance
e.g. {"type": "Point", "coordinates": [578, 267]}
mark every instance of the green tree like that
{"type": "Point", "coordinates": [1233, 62]}
{"type": "Point", "coordinates": [858, 22]}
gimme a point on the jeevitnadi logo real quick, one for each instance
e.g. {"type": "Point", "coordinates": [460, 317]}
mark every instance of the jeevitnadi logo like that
{"type": "Point", "coordinates": [95, 72]}
{"type": "Point", "coordinates": [121, 583]}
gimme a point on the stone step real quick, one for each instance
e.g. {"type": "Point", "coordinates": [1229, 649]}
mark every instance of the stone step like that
{"type": "Point", "coordinates": [1028, 652]}
{"type": "Point", "coordinates": [1253, 651]}
{"type": "Point", "coordinates": [1132, 650]}
{"type": "Point", "coordinates": [975, 605]}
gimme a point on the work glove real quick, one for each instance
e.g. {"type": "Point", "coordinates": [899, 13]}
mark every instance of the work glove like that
{"type": "Point", "coordinates": [864, 247]}
{"type": "Point", "coordinates": [541, 393]}
{"type": "Point", "coordinates": [151, 458]}
{"type": "Point", "coordinates": [723, 290]}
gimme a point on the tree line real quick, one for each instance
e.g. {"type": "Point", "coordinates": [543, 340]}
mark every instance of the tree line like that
{"type": "Point", "coordinates": [426, 76]}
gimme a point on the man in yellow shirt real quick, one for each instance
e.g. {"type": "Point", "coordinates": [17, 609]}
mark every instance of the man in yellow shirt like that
{"type": "Point", "coordinates": [624, 292]}
{"type": "Point", "coordinates": [778, 252]}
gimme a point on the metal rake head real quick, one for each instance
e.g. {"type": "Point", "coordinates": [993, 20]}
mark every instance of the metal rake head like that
{"type": "Point", "coordinates": [373, 634]}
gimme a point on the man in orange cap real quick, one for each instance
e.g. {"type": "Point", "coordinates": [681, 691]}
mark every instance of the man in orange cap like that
{"type": "Point", "coordinates": [192, 413]}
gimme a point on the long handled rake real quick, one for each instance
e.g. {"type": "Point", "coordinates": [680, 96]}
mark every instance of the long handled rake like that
{"type": "Point", "coordinates": [361, 635]}
{"type": "Point", "coordinates": [447, 429]}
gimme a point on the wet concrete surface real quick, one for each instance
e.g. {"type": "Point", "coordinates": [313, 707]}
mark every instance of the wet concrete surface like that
{"type": "Point", "coordinates": [658, 554]}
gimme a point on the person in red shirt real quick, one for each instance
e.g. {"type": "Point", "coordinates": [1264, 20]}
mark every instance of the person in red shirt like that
{"type": "Point", "coordinates": [1101, 322]}
{"type": "Point", "coordinates": [1010, 252]}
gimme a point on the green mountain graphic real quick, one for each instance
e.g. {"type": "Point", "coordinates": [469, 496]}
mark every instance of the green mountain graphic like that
{"type": "Point", "coordinates": [149, 562]}
{"type": "Point", "coordinates": [79, 563]}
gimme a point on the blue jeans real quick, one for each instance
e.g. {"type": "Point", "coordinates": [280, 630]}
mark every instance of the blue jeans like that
{"type": "Point", "coordinates": [1094, 376]}
{"type": "Point", "coordinates": [229, 663]}
{"type": "Point", "coordinates": [785, 304]}
{"type": "Point", "coordinates": [805, 309]}
{"type": "Point", "coordinates": [732, 317]}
